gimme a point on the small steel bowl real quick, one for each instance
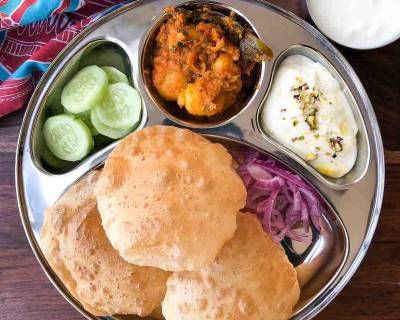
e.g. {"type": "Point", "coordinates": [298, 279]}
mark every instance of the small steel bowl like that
{"type": "Point", "coordinates": [171, 108]}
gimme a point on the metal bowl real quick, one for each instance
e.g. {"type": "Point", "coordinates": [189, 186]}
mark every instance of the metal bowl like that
{"type": "Point", "coordinates": [100, 51]}
{"type": "Point", "coordinates": [363, 155]}
{"type": "Point", "coordinates": [354, 204]}
{"type": "Point", "coordinates": [171, 109]}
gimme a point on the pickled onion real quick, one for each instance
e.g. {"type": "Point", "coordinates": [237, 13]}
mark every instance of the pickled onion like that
{"type": "Point", "coordinates": [286, 205]}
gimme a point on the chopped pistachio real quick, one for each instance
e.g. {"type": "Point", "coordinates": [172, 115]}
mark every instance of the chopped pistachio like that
{"type": "Point", "coordinates": [311, 111]}
{"type": "Point", "coordinates": [295, 122]}
{"type": "Point", "coordinates": [312, 122]}
{"type": "Point", "coordinates": [336, 144]}
{"type": "Point", "coordinates": [311, 156]}
{"type": "Point", "coordinates": [338, 147]}
{"type": "Point", "coordinates": [308, 100]}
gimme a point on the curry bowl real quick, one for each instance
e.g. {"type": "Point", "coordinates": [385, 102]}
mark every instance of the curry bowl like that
{"type": "Point", "coordinates": [171, 109]}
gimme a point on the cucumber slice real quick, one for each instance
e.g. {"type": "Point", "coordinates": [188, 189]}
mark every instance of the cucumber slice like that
{"type": "Point", "coordinates": [85, 90]}
{"type": "Point", "coordinates": [121, 106]}
{"type": "Point", "coordinates": [106, 130]}
{"type": "Point", "coordinates": [115, 76]}
{"type": "Point", "coordinates": [67, 137]}
{"type": "Point", "coordinates": [85, 117]}
{"type": "Point", "coordinates": [51, 160]}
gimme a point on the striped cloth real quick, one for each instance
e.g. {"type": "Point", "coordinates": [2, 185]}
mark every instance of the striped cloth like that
{"type": "Point", "coordinates": [32, 33]}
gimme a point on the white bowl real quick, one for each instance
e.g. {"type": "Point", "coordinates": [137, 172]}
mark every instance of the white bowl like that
{"type": "Point", "coordinates": [334, 38]}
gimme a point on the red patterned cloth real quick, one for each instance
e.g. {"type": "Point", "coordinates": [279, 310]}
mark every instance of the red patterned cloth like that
{"type": "Point", "coordinates": [27, 50]}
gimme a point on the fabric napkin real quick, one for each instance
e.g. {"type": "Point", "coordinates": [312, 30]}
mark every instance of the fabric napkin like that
{"type": "Point", "coordinates": [32, 33]}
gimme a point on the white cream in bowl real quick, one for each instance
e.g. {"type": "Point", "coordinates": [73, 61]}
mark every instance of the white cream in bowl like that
{"type": "Point", "coordinates": [359, 24]}
{"type": "Point", "coordinates": [307, 111]}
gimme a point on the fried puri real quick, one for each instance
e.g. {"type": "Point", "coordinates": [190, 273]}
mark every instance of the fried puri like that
{"type": "Point", "coordinates": [251, 279]}
{"type": "Point", "coordinates": [168, 198]}
{"type": "Point", "coordinates": [76, 247]}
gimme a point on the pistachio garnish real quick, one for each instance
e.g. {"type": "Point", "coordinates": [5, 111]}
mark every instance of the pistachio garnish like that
{"type": "Point", "coordinates": [309, 99]}
{"type": "Point", "coordinates": [312, 122]}
{"type": "Point", "coordinates": [311, 156]}
{"type": "Point", "coordinates": [336, 144]}
{"type": "Point", "coordinates": [300, 138]}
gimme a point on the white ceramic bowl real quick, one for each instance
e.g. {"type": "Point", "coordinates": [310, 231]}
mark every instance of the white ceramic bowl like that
{"type": "Point", "coordinates": [328, 33]}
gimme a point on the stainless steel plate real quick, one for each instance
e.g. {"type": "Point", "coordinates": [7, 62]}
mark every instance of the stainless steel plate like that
{"type": "Point", "coordinates": [355, 203]}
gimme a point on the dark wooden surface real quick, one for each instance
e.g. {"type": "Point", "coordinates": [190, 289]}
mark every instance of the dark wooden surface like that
{"type": "Point", "coordinates": [372, 294]}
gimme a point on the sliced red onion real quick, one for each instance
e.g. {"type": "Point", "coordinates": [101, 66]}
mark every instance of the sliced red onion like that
{"type": "Point", "coordinates": [283, 201]}
{"type": "Point", "coordinates": [272, 184]}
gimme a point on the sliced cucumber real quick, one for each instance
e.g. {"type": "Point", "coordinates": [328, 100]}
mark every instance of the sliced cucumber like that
{"type": "Point", "coordinates": [121, 107]}
{"type": "Point", "coordinates": [115, 76]}
{"type": "Point", "coordinates": [106, 130]}
{"type": "Point", "coordinates": [85, 117]}
{"type": "Point", "coordinates": [67, 137]}
{"type": "Point", "coordinates": [51, 160]}
{"type": "Point", "coordinates": [85, 90]}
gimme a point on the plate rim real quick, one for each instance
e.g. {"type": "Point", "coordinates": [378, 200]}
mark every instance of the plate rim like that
{"type": "Point", "coordinates": [378, 146]}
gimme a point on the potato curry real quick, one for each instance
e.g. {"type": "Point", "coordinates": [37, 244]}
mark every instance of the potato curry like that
{"type": "Point", "coordinates": [196, 64]}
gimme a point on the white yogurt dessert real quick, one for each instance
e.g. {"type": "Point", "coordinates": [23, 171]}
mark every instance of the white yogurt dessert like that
{"type": "Point", "coordinates": [359, 24]}
{"type": "Point", "coordinates": [307, 111]}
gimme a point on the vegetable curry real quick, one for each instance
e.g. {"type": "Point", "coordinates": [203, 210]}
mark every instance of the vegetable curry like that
{"type": "Point", "coordinates": [197, 64]}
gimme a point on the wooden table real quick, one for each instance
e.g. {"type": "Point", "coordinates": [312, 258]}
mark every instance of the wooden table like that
{"type": "Point", "coordinates": [374, 291]}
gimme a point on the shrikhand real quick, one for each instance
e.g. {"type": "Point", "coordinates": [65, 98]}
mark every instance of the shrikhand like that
{"type": "Point", "coordinates": [307, 111]}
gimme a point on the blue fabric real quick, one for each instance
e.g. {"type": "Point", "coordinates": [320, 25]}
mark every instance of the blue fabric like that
{"type": "Point", "coordinates": [29, 67]}
{"type": "Point", "coordinates": [39, 10]}
{"type": "Point", "coordinates": [10, 6]}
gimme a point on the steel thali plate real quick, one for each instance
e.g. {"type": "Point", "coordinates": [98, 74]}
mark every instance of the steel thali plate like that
{"type": "Point", "coordinates": [355, 202]}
